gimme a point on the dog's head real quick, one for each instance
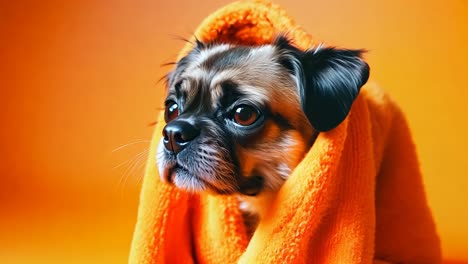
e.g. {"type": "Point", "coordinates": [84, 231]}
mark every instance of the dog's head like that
{"type": "Point", "coordinates": [240, 118]}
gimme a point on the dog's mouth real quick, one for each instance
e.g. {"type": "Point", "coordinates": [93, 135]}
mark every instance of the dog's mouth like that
{"type": "Point", "coordinates": [177, 171]}
{"type": "Point", "coordinates": [171, 172]}
{"type": "Point", "coordinates": [184, 179]}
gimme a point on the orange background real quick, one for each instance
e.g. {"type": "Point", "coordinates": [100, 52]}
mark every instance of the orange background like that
{"type": "Point", "coordinates": [79, 81]}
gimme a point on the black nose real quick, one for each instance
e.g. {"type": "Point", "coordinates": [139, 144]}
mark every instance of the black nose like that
{"type": "Point", "coordinates": [177, 134]}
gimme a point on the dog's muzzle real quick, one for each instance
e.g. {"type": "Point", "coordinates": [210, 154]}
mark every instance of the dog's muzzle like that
{"type": "Point", "coordinates": [178, 134]}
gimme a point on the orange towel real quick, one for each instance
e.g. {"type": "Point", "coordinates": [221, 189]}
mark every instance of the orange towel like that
{"type": "Point", "coordinates": [357, 196]}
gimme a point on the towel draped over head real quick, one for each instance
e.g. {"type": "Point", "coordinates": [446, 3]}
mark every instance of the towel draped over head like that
{"type": "Point", "coordinates": [356, 197]}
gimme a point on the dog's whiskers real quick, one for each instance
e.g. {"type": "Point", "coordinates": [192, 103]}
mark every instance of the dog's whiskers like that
{"type": "Point", "coordinates": [134, 164]}
{"type": "Point", "coordinates": [177, 37]}
{"type": "Point", "coordinates": [130, 144]}
{"type": "Point", "coordinates": [171, 63]}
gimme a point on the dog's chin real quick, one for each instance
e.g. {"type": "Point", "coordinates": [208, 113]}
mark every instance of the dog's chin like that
{"type": "Point", "coordinates": [183, 179]}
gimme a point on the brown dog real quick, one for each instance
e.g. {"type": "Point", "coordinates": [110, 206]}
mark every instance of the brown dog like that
{"type": "Point", "coordinates": [240, 118]}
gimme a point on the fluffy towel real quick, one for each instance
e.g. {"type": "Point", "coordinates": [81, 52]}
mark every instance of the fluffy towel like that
{"type": "Point", "coordinates": [357, 196]}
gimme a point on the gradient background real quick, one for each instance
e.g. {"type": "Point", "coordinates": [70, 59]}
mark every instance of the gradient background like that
{"type": "Point", "coordinates": [79, 80]}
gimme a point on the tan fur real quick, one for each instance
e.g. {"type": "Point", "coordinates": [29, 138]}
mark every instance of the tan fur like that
{"type": "Point", "coordinates": [273, 152]}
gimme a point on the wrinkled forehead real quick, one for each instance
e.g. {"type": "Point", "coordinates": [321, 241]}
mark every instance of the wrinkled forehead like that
{"type": "Point", "coordinates": [224, 57]}
{"type": "Point", "coordinates": [224, 70]}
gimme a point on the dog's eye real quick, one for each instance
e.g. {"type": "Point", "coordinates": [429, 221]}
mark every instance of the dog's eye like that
{"type": "Point", "coordinates": [245, 115]}
{"type": "Point", "coordinates": [171, 112]}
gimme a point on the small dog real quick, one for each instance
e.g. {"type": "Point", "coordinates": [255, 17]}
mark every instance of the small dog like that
{"type": "Point", "coordinates": [240, 118]}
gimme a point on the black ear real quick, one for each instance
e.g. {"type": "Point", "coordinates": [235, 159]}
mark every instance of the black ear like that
{"type": "Point", "coordinates": [330, 82]}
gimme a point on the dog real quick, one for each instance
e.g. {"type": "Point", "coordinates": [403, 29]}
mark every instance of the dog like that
{"type": "Point", "coordinates": [240, 118]}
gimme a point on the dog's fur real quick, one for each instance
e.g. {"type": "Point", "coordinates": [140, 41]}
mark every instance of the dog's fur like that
{"type": "Point", "coordinates": [287, 96]}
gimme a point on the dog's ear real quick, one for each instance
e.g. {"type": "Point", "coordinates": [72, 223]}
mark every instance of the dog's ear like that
{"type": "Point", "coordinates": [328, 80]}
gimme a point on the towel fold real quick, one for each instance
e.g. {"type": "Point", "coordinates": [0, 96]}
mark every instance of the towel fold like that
{"type": "Point", "coordinates": [356, 197]}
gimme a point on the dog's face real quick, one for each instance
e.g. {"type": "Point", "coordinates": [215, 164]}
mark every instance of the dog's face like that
{"type": "Point", "coordinates": [239, 119]}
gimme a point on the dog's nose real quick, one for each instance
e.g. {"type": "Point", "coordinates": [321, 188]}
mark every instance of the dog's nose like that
{"type": "Point", "coordinates": [177, 134]}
